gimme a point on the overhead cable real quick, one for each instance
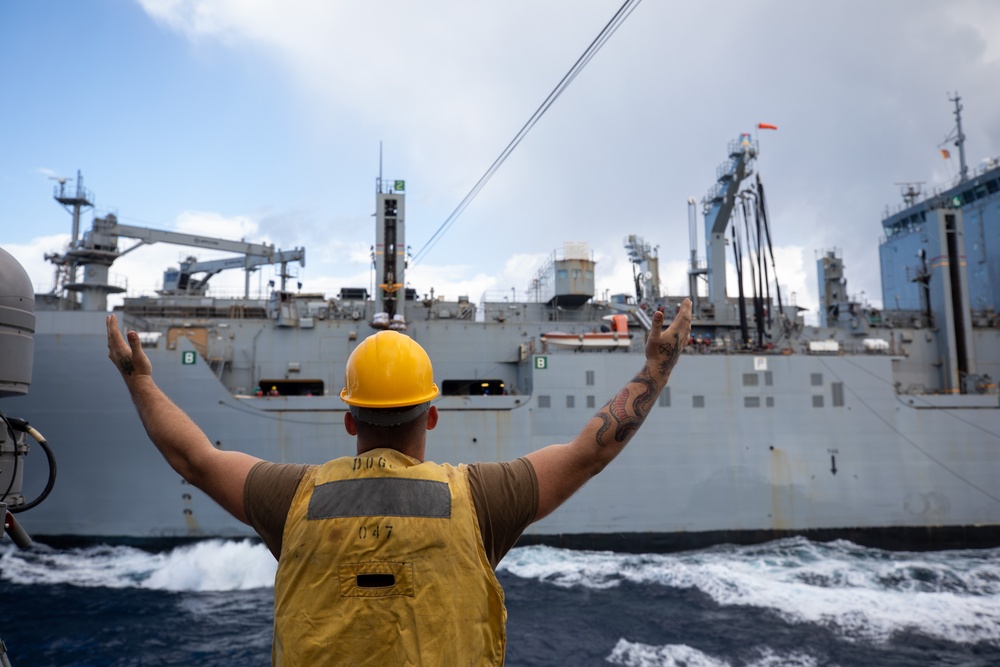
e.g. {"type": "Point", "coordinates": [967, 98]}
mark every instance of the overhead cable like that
{"type": "Point", "coordinates": [609, 29]}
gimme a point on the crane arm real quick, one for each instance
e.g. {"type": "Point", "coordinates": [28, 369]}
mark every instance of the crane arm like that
{"type": "Point", "coordinates": [111, 227]}
{"type": "Point", "coordinates": [216, 265]}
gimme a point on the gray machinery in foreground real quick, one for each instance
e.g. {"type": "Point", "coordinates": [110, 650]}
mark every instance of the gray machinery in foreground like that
{"type": "Point", "coordinates": [17, 326]}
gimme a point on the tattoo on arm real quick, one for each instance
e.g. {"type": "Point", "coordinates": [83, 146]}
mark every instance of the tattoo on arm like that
{"type": "Point", "coordinates": [672, 352]}
{"type": "Point", "coordinates": [617, 409]}
{"type": "Point", "coordinates": [125, 363]}
{"type": "Point", "coordinates": [605, 425]}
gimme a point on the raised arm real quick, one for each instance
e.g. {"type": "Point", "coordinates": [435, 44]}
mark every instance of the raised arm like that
{"type": "Point", "coordinates": [186, 448]}
{"type": "Point", "coordinates": [562, 469]}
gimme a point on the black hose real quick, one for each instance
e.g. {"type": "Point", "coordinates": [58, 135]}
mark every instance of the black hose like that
{"type": "Point", "coordinates": [14, 423]}
{"type": "Point", "coordinates": [52, 473]}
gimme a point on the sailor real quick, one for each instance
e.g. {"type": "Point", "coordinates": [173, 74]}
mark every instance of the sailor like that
{"type": "Point", "coordinates": [385, 558]}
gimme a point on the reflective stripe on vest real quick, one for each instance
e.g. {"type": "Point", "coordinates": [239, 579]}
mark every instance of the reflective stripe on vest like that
{"type": "Point", "coordinates": [382, 563]}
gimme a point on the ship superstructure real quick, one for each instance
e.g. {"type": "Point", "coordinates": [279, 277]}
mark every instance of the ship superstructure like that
{"type": "Point", "coordinates": [878, 426]}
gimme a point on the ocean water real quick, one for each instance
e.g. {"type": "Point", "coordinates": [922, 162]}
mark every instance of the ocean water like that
{"type": "Point", "coordinates": [791, 602]}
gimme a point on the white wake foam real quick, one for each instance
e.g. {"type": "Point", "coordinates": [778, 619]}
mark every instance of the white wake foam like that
{"type": "Point", "coordinates": [631, 654]}
{"type": "Point", "coordinates": [860, 593]}
{"type": "Point", "coordinates": [212, 565]}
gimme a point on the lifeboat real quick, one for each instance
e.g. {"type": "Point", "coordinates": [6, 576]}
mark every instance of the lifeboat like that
{"type": "Point", "coordinates": [618, 337]}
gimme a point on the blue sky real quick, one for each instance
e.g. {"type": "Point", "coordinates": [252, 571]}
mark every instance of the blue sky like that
{"type": "Point", "coordinates": [264, 119]}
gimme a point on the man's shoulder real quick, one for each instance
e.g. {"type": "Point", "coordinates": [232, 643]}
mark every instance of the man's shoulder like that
{"type": "Point", "coordinates": [506, 498]}
{"type": "Point", "coordinates": [267, 473]}
{"type": "Point", "coordinates": [267, 495]}
{"type": "Point", "coordinates": [501, 469]}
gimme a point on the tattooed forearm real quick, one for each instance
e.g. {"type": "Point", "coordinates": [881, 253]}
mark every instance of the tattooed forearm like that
{"type": "Point", "coordinates": [641, 405]}
{"type": "Point", "coordinates": [618, 407]}
{"type": "Point", "coordinates": [625, 411]}
{"type": "Point", "coordinates": [125, 363]}
{"type": "Point", "coordinates": [644, 400]}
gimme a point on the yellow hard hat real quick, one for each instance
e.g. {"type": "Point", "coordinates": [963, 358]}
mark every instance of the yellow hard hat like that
{"type": "Point", "coordinates": [388, 370]}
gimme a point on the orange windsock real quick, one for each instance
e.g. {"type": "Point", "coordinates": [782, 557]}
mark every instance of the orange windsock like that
{"type": "Point", "coordinates": [766, 126]}
{"type": "Point", "coordinates": [945, 154]}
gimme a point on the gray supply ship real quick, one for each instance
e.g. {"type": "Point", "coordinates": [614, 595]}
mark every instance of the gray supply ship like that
{"type": "Point", "coordinates": [878, 426]}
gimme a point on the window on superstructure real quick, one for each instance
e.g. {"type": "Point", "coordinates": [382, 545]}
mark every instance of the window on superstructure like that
{"type": "Point", "coordinates": [750, 380]}
{"type": "Point", "coordinates": [768, 378]}
{"type": "Point", "coordinates": [570, 401]}
{"type": "Point", "coordinates": [817, 379]}
{"type": "Point", "coordinates": [590, 378]}
{"type": "Point", "coordinates": [770, 402]}
{"type": "Point", "coordinates": [751, 401]}
{"type": "Point", "coordinates": [544, 401]}
{"type": "Point", "coordinates": [817, 401]}
{"type": "Point", "coordinates": [476, 387]}
{"type": "Point", "coordinates": [591, 402]}
{"type": "Point", "coordinates": [697, 401]}
{"type": "Point", "coordinates": [838, 394]}
{"type": "Point", "coordinates": [282, 387]}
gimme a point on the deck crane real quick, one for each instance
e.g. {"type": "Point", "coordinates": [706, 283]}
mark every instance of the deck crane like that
{"type": "Point", "coordinates": [718, 209]}
{"type": "Point", "coordinates": [181, 280]}
{"type": "Point", "coordinates": [98, 250]}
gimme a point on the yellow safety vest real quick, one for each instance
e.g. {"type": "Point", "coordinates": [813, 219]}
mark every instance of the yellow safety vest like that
{"type": "Point", "coordinates": [382, 563]}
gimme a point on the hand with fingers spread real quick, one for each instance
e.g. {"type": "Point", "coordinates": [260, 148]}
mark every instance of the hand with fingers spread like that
{"type": "Point", "coordinates": [128, 357]}
{"type": "Point", "coordinates": [663, 347]}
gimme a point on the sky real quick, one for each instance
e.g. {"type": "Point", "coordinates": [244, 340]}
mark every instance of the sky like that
{"type": "Point", "coordinates": [270, 121]}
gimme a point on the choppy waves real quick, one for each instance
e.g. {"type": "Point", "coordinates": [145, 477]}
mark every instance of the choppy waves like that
{"type": "Point", "coordinates": [858, 595]}
{"type": "Point", "coordinates": [862, 594]}
{"type": "Point", "coordinates": [212, 565]}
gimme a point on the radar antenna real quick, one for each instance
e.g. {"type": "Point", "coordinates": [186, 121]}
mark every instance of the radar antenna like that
{"type": "Point", "coordinates": [910, 190]}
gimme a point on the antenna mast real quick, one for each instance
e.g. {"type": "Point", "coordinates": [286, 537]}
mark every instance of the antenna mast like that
{"type": "Point", "coordinates": [963, 173]}
{"type": "Point", "coordinates": [74, 202]}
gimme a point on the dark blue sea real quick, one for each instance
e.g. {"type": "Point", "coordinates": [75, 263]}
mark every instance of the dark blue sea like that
{"type": "Point", "coordinates": [791, 602]}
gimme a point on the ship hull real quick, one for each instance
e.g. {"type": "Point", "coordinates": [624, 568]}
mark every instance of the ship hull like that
{"type": "Point", "coordinates": [741, 448]}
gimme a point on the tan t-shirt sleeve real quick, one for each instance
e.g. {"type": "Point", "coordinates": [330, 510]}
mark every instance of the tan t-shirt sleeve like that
{"type": "Point", "coordinates": [267, 495]}
{"type": "Point", "coordinates": [506, 499]}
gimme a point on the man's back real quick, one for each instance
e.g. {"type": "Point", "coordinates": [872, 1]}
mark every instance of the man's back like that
{"type": "Point", "coordinates": [382, 562]}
